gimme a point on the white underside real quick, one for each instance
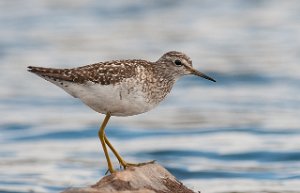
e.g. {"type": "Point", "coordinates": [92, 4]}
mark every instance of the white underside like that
{"type": "Point", "coordinates": [117, 99]}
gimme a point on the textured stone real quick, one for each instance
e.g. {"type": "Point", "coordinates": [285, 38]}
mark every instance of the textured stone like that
{"type": "Point", "coordinates": [149, 178]}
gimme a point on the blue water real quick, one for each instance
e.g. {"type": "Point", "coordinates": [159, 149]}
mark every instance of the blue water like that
{"type": "Point", "coordinates": [241, 134]}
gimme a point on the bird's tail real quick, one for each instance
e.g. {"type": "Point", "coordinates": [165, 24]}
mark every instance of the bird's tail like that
{"type": "Point", "coordinates": [43, 71]}
{"type": "Point", "coordinates": [59, 77]}
{"type": "Point", "coordinates": [52, 73]}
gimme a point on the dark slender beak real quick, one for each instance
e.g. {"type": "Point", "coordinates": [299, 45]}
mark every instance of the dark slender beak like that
{"type": "Point", "coordinates": [198, 73]}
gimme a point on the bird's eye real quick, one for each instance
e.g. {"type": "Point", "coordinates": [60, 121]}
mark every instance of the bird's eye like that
{"type": "Point", "coordinates": [178, 63]}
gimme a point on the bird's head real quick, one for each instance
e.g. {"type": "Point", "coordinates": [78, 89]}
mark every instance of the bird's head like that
{"type": "Point", "coordinates": [180, 64]}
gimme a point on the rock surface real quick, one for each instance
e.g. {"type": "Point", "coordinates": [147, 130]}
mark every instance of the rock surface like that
{"type": "Point", "coordinates": [149, 178]}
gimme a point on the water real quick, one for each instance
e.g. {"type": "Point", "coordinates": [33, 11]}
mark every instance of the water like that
{"type": "Point", "coordinates": [240, 134]}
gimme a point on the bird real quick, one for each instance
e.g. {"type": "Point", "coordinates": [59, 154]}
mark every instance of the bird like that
{"type": "Point", "coordinates": [121, 88]}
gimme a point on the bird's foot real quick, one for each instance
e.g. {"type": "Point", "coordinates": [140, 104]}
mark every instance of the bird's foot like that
{"type": "Point", "coordinates": [126, 164]}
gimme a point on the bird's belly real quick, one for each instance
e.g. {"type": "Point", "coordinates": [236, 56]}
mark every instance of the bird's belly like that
{"type": "Point", "coordinates": [119, 100]}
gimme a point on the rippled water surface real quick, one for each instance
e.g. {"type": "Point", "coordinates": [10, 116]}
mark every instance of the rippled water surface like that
{"type": "Point", "coordinates": [241, 134]}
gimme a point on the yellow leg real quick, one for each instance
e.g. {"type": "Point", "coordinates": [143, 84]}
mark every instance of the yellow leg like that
{"type": "Point", "coordinates": [121, 160]}
{"type": "Point", "coordinates": [101, 135]}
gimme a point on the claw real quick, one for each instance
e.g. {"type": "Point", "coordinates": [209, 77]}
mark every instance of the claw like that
{"type": "Point", "coordinates": [125, 165]}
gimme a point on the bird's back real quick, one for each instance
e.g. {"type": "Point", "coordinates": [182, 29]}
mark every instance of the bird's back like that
{"type": "Point", "coordinates": [104, 73]}
{"type": "Point", "coordinates": [121, 87]}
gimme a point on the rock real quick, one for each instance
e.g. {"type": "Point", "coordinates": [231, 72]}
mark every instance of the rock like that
{"type": "Point", "coordinates": [149, 178]}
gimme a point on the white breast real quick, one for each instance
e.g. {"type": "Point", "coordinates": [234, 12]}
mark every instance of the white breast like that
{"type": "Point", "coordinates": [119, 99]}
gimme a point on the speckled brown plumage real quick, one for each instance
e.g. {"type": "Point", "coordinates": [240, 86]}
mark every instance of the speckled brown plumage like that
{"type": "Point", "coordinates": [104, 73]}
{"type": "Point", "coordinates": [134, 79]}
